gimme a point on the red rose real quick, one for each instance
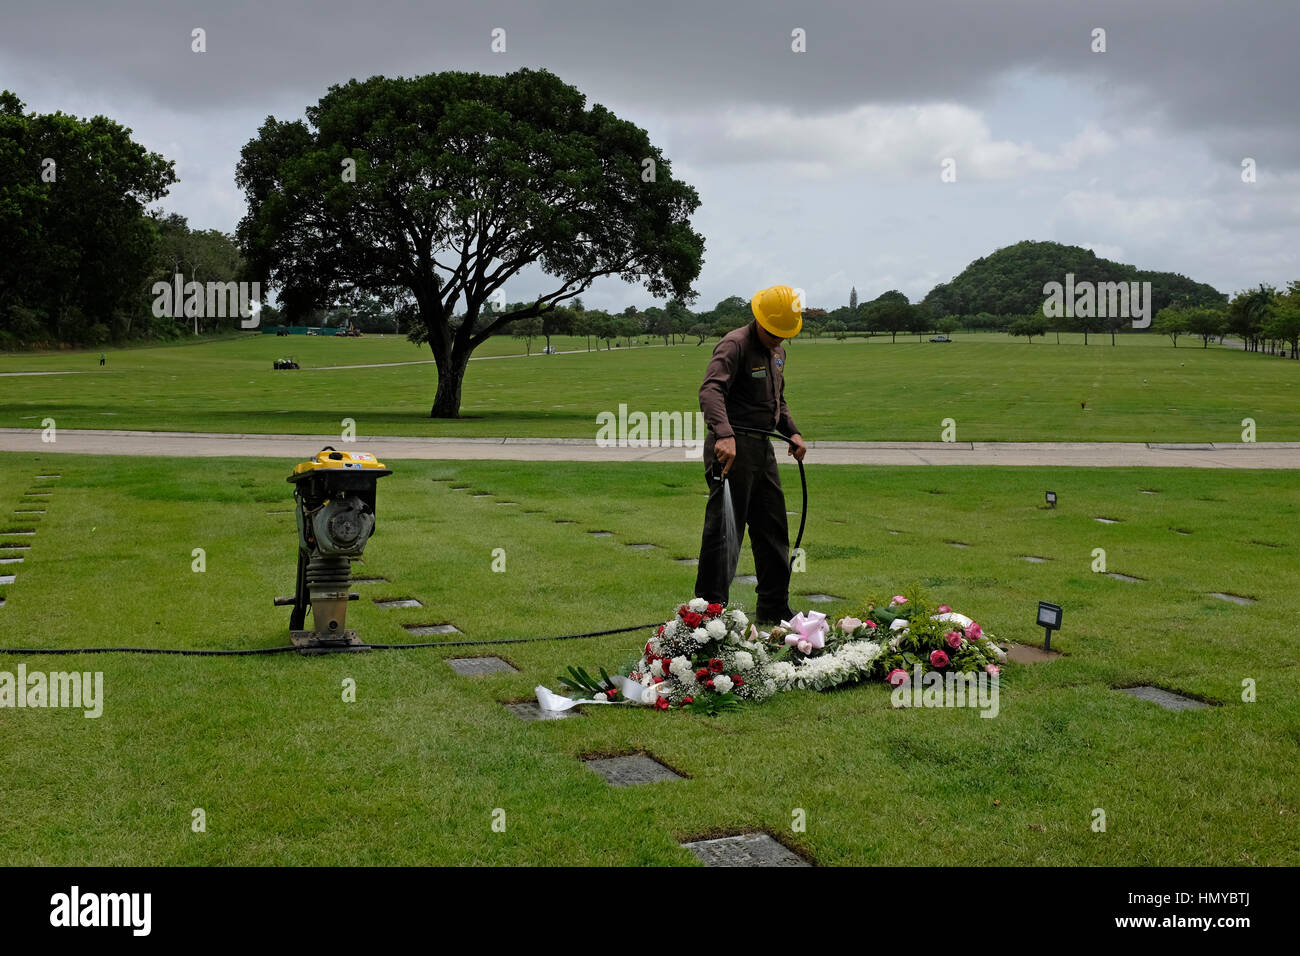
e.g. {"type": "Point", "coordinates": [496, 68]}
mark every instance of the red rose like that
{"type": "Point", "coordinates": [737, 680]}
{"type": "Point", "coordinates": [611, 693]}
{"type": "Point", "coordinates": [716, 665]}
{"type": "Point", "coordinates": [709, 684]}
{"type": "Point", "coordinates": [658, 680]}
{"type": "Point", "coordinates": [647, 647]}
{"type": "Point", "coordinates": [702, 673]}
{"type": "Point", "coordinates": [714, 609]}
{"type": "Point", "coordinates": [664, 665]}
{"type": "Point", "coordinates": [683, 611]}
{"type": "Point", "coordinates": [687, 700]}
{"type": "Point", "coordinates": [660, 631]}
{"type": "Point", "coordinates": [661, 703]}
{"type": "Point", "coordinates": [938, 659]}
{"type": "Point", "coordinates": [692, 619]}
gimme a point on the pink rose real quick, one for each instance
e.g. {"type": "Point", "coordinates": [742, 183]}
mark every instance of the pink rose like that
{"type": "Point", "coordinates": [973, 631]}
{"type": "Point", "coordinates": [897, 599]}
{"type": "Point", "coordinates": [870, 624]}
{"type": "Point", "coordinates": [944, 609]}
{"type": "Point", "coordinates": [938, 659]}
{"type": "Point", "coordinates": [849, 624]}
{"type": "Point", "coordinates": [953, 640]}
{"type": "Point", "coordinates": [992, 669]}
{"type": "Point", "coordinates": [804, 647]}
{"type": "Point", "coordinates": [897, 677]}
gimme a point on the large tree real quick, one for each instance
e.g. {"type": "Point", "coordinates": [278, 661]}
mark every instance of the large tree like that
{"type": "Point", "coordinates": [461, 181]}
{"type": "Point", "coordinates": [76, 246]}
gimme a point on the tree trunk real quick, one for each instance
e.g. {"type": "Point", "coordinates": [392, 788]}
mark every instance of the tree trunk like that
{"type": "Point", "coordinates": [451, 375]}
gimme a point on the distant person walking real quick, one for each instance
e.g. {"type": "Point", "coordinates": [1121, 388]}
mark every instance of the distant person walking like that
{"type": "Point", "coordinates": [102, 360]}
{"type": "Point", "coordinates": [744, 388]}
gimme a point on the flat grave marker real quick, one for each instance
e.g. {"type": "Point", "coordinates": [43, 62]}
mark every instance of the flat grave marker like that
{"type": "Point", "coordinates": [1165, 698]}
{"type": "Point", "coordinates": [1234, 598]}
{"type": "Point", "coordinates": [431, 630]}
{"type": "Point", "coordinates": [531, 710]}
{"type": "Point", "coordinates": [748, 849]}
{"type": "Point", "coordinates": [630, 771]}
{"type": "Point", "coordinates": [480, 666]}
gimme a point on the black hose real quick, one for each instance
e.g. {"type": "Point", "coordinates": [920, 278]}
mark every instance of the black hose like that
{"type": "Point", "coordinates": [803, 481]}
{"type": "Point", "coordinates": [292, 647]}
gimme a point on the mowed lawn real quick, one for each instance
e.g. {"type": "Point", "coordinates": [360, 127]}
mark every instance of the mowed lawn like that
{"type": "Point", "coordinates": [412, 772]}
{"type": "Point", "coordinates": [993, 389]}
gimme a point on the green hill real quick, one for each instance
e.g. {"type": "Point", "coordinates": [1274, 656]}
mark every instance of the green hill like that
{"type": "Point", "coordinates": [1010, 281]}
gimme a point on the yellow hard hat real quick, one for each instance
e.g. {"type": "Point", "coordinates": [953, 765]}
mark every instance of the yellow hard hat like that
{"type": "Point", "coordinates": [778, 310]}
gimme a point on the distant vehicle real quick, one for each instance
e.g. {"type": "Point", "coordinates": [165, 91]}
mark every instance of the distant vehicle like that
{"type": "Point", "coordinates": [549, 350]}
{"type": "Point", "coordinates": [940, 338]}
{"type": "Point", "coordinates": [281, 331]}
{"type": "Point", "coordinates": [284, 363]}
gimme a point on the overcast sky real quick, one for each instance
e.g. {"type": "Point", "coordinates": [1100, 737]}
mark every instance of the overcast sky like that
{"type": "Point", "coordinates": [818, 169]}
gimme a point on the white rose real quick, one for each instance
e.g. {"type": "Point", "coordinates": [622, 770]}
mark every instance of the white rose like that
{"type": "Point", "coordinates": [744, 661]}
{"type": "Point", "coordinates": [700, 635]}
{"type": "Point", "coordinates": [740, 619]}
{"type": "Point", "coordinates": [600, 696]}
{"type": "Point", "coordinates": [715, 629]}
{"type": "Point", "coordinates": [722, 683]}
{"type": "Point", "coordinates": [698, 605]}
{"type": "Point", "coordinates": [680, 666]}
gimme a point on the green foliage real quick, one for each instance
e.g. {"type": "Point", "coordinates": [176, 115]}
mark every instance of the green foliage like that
{"type": "Point", "coordinates": [1010, 281]}
{"type": "Point", "coordinates": [710, 705]}
{"type": "Point", "coordinates": [78, 250]}
{"type": "Point", "coordinates": [454, 171]}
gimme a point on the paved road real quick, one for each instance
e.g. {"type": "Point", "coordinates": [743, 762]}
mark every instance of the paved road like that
{"type": "Point", "coordinates": [1062, 454]}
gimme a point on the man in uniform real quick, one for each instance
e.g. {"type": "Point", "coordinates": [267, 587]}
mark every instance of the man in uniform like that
{"type": "Point", "coordinates": [744, 387]}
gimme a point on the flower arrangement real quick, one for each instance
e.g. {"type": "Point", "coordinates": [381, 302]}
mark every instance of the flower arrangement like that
{"type": "Point", "coordinates": [933, 637]}
{"type": "Point", "coordinates": [816, 655]}
{"type": "Point", "coordinates": [709, 658]}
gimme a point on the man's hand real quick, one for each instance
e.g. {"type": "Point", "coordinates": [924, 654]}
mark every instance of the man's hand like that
{"type": "Point", "coordinates": [797, 448]}
{"type": "Point", "coordinates": [724, 450]}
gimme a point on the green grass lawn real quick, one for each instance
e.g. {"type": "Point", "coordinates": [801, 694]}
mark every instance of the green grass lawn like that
{"type": "Point", "coordinates": [411, 773]}
{"type": "Point", "coordinates": [995, 389]}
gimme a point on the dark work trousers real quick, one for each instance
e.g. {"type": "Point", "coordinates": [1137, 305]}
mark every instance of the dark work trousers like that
{"type": "Point", "coordinates": [759, 504]}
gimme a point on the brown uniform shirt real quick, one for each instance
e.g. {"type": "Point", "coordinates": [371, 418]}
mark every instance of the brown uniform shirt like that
{"type": "Point", "coordinates": [744, 386]}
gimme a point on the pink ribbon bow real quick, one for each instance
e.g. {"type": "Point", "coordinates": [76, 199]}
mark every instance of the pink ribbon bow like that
{"type": "Point", "coordinates": [810, 627]}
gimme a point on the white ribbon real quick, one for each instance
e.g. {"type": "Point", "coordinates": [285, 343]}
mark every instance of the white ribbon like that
{"type": "Point", "coordinates": [631, 691]}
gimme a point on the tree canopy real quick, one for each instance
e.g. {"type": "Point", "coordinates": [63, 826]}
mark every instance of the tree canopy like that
{"type": "Point", "coordinates": [78, 246]}
{"type": "Point", "coordinates": [459, 181]}
{"type": "Point", "coordinates": [1010, 281]}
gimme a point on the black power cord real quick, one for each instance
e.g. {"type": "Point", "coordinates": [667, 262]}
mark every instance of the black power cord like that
{"type": "Point", "coordinates": [291, 647]}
